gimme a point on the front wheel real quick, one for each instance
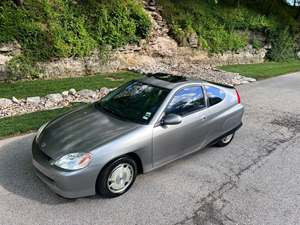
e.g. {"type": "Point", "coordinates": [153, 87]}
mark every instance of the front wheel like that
{"type": "Point", "coordinates": [225, 140]}
{"type": "Point", "coordinates": [117, 177]}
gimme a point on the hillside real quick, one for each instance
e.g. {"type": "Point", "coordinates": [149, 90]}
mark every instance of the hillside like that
{"type": "Point", "coordinates": [59, 29]}
{"type": "Point", "coordinates": [231, 25]}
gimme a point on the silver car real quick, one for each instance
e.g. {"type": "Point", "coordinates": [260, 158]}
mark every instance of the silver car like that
{"type": "Point", "coordinates": [142, 125]}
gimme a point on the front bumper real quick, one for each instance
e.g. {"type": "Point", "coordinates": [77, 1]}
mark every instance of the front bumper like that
{"type": "Point", "coordinates": [69, 184]}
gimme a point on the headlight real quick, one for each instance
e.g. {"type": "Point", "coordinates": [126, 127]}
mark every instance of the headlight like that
{"type": "Point", "coordinates": [40, 130]}
{"type": "Point", "coordinates": [74, 161]}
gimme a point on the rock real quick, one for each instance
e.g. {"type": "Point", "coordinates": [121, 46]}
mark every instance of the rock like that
{"type": "Point", "coordinates": [65, 93]}
{"type": "Point", "coordinates": [250, 79]}
{"type": "Point", "coordinates": [15, 100]}
{"type": "Point", "coordinates": [49, 104]}
{"type": "Point", "coordinates": [72, 91]}
{"type": "Point", "coordinates": [298, 54]}
{"type": "Point", "coordinates": [104, 91]}
{"type": "Point", "coordinates": [151, 8]}
{"type": "Point", "coordinates": [33, 100]}
{"type": "Point", "coordinates": [12, 48]}
{"type": "Point", "coordinates": [152, 3]}
{"type": "Point", "coordinates": [244, 82]}
{"type": "Point", "coordinates": [55, 97]}
{"type": "Point", "coordinates": [193, 40]}
{"type": "Point", "coordinates": [4, 102]}
{"type": "Point", "coordinates": [157, 16]}
{"type": "Point", "coordinates": [85, 93]}
{"type": "Point", "coordinates": [164, 46]}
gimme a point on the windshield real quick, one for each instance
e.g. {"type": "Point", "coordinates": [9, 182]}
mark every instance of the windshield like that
{"type": "Point", "coordinates": [134, 101]}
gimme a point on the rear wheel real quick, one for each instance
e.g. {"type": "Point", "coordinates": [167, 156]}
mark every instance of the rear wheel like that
{"type": "Point", "coordinates": [117, 177]}
{"type": "Point", "coordinates": [225, 140]}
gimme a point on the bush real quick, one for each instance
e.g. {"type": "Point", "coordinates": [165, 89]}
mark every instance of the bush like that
{"type": "Point", "coordinates": [21, 67]}
{"type": "Point", "coordinates": [256, 43]}
{"type": "Point", "coordinates": [226, 25]}
{"type": "Point", "coordinates": [283, 45]}
{"type": "Point", "coordinates": [69, 34]}
{"type": "Point", "coordinates": [116, 22]}
{"type": "Point", "coordinates": [63, 28]}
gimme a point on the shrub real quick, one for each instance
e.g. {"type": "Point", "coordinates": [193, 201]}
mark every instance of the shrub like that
{"type": "Point", "coordinates": [63, 28]}
{"type": "Point", "coordinates": [218, 24]}
{"type": "Point", "coordinates": [21, 67]}
{"type": "Point", "coordinates": [256, 43]}
{"type": "Point", "coordinates": [283, 45]}
{"type": "Point", "coordinates": [116, 22]}
{"type": "Point", "coordinates": [67, 28]}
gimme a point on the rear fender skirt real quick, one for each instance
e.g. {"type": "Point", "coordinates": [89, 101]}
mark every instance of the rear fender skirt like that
{"type": "Point", "coordinates": [226, 134]}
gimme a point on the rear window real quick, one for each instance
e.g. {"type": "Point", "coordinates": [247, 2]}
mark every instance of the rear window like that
{"type": "Point", "coordinates": [186, 100]}
{"type": "Point", "coordinates": [215, 95]}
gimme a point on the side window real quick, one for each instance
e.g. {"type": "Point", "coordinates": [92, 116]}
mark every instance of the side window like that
{"type": "Point", "coordinates": [186, 100]}
{"type": "Point", "coordinates": [214, 95]}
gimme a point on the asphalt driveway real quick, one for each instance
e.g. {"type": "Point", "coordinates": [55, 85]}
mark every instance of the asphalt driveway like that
{"type": "Point", "coordinates": [254, 180]}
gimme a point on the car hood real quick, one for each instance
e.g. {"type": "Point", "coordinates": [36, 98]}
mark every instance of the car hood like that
{"type": "Point", "coordinates": [81, 130]}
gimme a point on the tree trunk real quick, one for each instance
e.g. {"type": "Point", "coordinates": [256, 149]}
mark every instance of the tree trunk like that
{"type": "Point", "coordinates": [19, 2]}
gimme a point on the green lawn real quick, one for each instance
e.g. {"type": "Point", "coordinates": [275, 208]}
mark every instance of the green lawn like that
{"type": "Point", "coordinates": [264, 70]}
{"type": "Point", "coordinates": [22, 89]}
{"type": "Point", "coordinates": [29, 122]}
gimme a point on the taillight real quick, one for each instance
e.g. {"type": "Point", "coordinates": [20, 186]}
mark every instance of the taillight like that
{"type": "Point", "coordinates": [238, 96]}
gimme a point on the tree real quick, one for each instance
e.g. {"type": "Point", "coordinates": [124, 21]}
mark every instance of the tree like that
{"type": "Point", "coordinates": [19, 2]}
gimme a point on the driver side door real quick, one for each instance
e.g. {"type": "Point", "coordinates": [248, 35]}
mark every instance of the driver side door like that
{"type": "Point", "coordinates": [173, 141]}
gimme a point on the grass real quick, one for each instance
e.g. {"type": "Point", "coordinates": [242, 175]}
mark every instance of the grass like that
{"type": "Point", "coordinates": [28, 122]}
{"type": "Point", "coordinates": [22, 89]}
{"type": "Point", "coordinates": [264, 70]}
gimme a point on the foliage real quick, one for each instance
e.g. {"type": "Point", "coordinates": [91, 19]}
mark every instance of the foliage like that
{"type": "Point", "coordinates": [283, 45]}
{"type": "Point", "coordinates": [23, 89]}
{"type": "Point", "coordinates": [65, 28]}
{"type": "Point", "coordinates": [256, 43]}
{"type": "Point", "coordinates": [115, 22]}
{"type": "Point", "coordinates": [264, 70]}
{"type": "Point", "coordinates": [21, 67]}
{"type": "Point", "coordinates": [225, 25]}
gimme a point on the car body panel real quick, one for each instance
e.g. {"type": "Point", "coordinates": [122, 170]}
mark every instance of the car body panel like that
{"type": "Point", "coordinates": [106, 137]}
{"type": "Point", "coordinates": [82, 131]}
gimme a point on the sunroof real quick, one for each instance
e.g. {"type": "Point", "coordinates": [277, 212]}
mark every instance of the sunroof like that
{"type": "Point", "coordinates": [168, 77]}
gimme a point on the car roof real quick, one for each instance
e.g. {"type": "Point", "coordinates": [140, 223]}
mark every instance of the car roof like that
{"type": "Point", "coordinates": [170, 81]}
{"type": "Point", "coordinates": [167, 81]}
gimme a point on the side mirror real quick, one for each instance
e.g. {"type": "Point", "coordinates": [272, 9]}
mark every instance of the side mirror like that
{"type": "Point", "coordinates": [171, 119]}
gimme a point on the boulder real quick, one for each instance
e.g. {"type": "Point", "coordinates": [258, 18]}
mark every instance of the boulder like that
{"type": "Point", "coordinates": [104, 91]}
{"type": "Point", "coordinates": [72, 91]}
{"type": "Point", "coordinates": [33, 100]}
{"type": "Point", "coordinates": [164, 46]}
{"type": "Point", "coordinates": [193, 40]}
{"type": "Point", "coordinates": [4, 102]}
{"type": "Point", "coordinates": [250, 79]}
{"type": "Point", "coordinates": [65, 93]}
{"type": "Point", "coordinates": [11, 49]}
{"type": "Point", "coordinates": [85, 93]}
{"type": "Point", "coordinates": [15, 100]}
{"type": "Point", "coordinates": [55, 97]}
{"type": "Point", "coordinates": [298, 54]}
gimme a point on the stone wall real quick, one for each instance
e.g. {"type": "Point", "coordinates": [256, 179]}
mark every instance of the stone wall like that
{"type": "Point", "coordinates": [164, 53]}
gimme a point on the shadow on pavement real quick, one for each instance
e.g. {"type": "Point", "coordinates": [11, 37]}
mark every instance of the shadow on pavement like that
{"type": "Point", "coordinates": [17, 174]}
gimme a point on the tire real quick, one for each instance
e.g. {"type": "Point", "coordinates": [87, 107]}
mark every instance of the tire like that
{"type": "Point", "coordinates": [117, 177]}
{"type": "Point", "coordinates": [225, 140]}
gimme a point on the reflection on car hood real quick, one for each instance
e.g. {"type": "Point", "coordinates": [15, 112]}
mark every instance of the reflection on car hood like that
{"type": "Point", "coordinates": [81, 131]}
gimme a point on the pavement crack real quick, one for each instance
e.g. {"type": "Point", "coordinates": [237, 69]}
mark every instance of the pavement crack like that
{"type": "Point", "coordinates": [285, 129]}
